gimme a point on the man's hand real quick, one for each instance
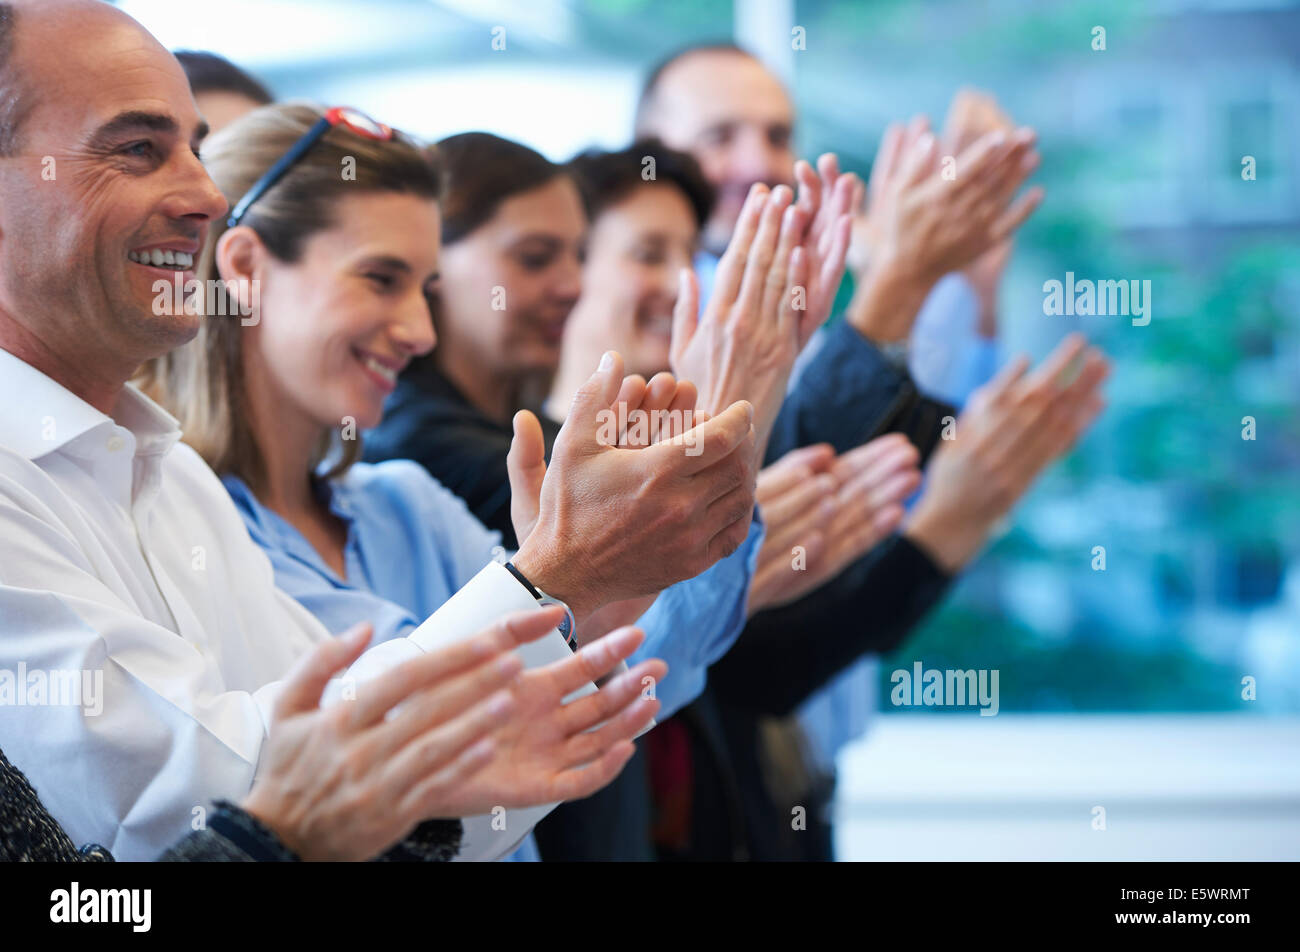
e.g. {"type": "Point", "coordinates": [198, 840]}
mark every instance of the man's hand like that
{"type": "Point", "coordinates": [834, 509]}
{"type": "Point", "coordinates": [616, 522]}
{"type": "Point", "coordinates": [349, 781]}
{"type": "Point", "coordinates": [974, 113]}
{"type": "Point", "coordinates": [546, 750]}
{"type": "Point", "coordinates": [660, 410]}
{"type": "Point", "coordinates": [1011, 430]}
{"type": "Point", "coordinates": [774, 287]}
{"type": "Point", "coordinates": [920, 225]}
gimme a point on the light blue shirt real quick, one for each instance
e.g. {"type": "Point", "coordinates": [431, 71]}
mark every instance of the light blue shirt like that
{"type": "Point", "coordinates": [412, 544]}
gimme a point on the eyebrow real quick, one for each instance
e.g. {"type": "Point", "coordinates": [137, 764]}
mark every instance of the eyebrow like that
{"type": "Point", "coordinates": [140, 119]}
{"type": "Point", "coordinates": [385, 261]}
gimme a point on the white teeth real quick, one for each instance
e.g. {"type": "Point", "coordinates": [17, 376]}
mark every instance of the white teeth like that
{"type": "Point", "coordinates": [159, 257]}
{"type": "Point", "coordinates": [386, 372]}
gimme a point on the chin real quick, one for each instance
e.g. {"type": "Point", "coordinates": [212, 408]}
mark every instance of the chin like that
{"type": "Point", "coordinates": [168, 331]}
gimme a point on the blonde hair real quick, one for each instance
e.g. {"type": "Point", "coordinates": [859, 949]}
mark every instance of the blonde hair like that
{"type": "Point", "coordinates": [202, 383]}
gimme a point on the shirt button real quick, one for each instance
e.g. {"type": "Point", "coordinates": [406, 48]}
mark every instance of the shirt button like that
{"type": "Point", "coordinates": [115, 443]}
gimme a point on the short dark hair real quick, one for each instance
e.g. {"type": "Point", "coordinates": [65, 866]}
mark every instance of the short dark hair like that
{"type": "Point", "coordinates": [210, 73]}
{"type": "Point", "coordinates": [606, 178]}
{"type": "Point", "coordinates": [13, 105]}
{"type": "Point", "coordinates": [482, 170]}
{"type": "Point", "coordinates": [651, 85]}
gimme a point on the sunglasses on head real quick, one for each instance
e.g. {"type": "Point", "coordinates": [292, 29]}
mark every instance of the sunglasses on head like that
{"type": "Point", "coordinates": [353, 119]}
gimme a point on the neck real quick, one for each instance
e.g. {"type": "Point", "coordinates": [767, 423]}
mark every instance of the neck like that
{"type": "Point", "coordinates": [287, 440]}
{"type": "Point", "coordinates": [98, 380]}
{"type": "Point", "coordinates": [493, 394]}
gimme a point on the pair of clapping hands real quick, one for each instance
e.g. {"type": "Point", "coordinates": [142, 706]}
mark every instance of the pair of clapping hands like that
{"type": "Point", "coordinates": [824, 511]}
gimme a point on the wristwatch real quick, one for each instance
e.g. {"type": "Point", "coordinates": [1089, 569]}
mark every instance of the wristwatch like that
{"type": "Point", "coordinates": [567, 623]}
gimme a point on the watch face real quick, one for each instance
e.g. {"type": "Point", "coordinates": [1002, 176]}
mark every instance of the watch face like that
{"type": "Point", "coordinates": [565, 627]}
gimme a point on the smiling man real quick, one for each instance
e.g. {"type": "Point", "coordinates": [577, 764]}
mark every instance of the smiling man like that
{"type": "Point", "coordinates": [121, 552]}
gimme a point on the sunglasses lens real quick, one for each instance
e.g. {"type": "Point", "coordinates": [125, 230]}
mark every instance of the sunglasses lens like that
{"type": "Point", "coordinates": [363, 123]}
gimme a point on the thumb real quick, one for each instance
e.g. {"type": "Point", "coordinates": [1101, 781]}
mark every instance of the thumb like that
{"type": "Point", "coordinates": [526, 467]}
{"type": "Point", "coordinates": [302, 689]}
{"type": "Point", "coordinates": [594, 402]}
{"type": "Point", "coordinates": [686, 314]}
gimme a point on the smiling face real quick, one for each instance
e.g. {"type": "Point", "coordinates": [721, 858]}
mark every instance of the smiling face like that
{"type": "Point", "coordinates": [638, 247]}
{"type": "Point", "coordinates": [734, 116]}
{"type": "Point", "coordinates": [509, 285]}
{"type": "Point", "coordinates": [106, 194]}
{"type": "Point", "coordinates": [337, 326]}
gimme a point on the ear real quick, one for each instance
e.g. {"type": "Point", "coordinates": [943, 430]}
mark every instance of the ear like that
{"type": "Point", "coordinates": [240, 259]}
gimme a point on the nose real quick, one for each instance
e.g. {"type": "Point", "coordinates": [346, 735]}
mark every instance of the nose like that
{"type": "Point", "coordinates": [196, 196]}
{"type": "Point", "coordinates": [568, 281]}
{"type": "Point", "coordinates": [754, 158]}
{"type": "Point", "coordinates": [412, 332]}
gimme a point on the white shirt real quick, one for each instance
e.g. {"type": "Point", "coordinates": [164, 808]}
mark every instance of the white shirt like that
{"type": "Point", "coordinates": [122, 555]}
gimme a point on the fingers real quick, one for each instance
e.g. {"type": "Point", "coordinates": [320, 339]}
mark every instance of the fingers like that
{"type": "Point", "coordinates": [583, 782]}
{"type": "Point", "coordinates": [1055, 365]}
{"type": "Point", "coordinates": [793, 468]}
{"type": "Point", "coordinates": [682, 406]}
{"type": "Point", "coordinates": [394, 686]}
{"type": "Point", "coordinates": [807, 494]}
{"type": "Point", "coordinates": [860, 459]}
{"type": "Point", "coordinates": [526, 469]}
{"type": "Point", "coordinates": [887, 156]}
{"type": "Point", "coordinates": [1017, 213]}
{"type": "Point", "coordinates": [918, 160]}
{"type": "Point", "coordinates": [731, 268]}
{"type": "Point", "coordinates": [686, 314]}
{"type": "Point", "coordinates": [832, 272]}
{"type": "Point", "coordinates": [596, 395]}
{"type": "Point", "coordinates": [631, 392]}
{"type": "Point", "coordinates": [306, 683]}
{"type": "Point", "coordinates": [810, 190]}
{"type": "Point", "coordinates": [762, 251]}
{"type": "Point", "coordinates": [593, 661]}
{"type": "Point", "coordinates": [996, 389]}
{"type": "Point", "coordinates": [425, 799]}
{"type": "Point", "coordinates": [442, 702]}
{"type": "Point", "coordinates": [615, 699]}
{"type": "Point", "coordinates": [444, 752]}
{"type": "Point", "coordinates": [781, 277]}
{"type": "Point", "coordinates": [715, 439]}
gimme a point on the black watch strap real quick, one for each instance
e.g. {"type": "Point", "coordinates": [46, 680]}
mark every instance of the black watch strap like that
{"type": "Point", "coordinates": [567, 623]}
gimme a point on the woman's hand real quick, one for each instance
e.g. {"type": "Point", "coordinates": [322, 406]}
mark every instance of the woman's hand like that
{"type": "Point", "coordinates": [546, 750]}
{"type": "Point", "coordinates": [822, 513]}
{"type": "Point", "coordinates": [774, 286]}
{"type": "Point", "coordinates": [348, 781]}
{"type": "Point", "coordinates": [1013, 427]}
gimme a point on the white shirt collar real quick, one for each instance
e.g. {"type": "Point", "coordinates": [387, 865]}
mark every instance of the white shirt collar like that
{"type": "Point", "coordinates": [42, 416]}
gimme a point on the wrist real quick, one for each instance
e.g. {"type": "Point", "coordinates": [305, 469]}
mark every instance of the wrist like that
{"type": "Point", "coordinates": [886, 302]}
{"type": "Point", "coordinates": [548, 573]}
{"type": "Point", "coordinates": [951, 540]}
